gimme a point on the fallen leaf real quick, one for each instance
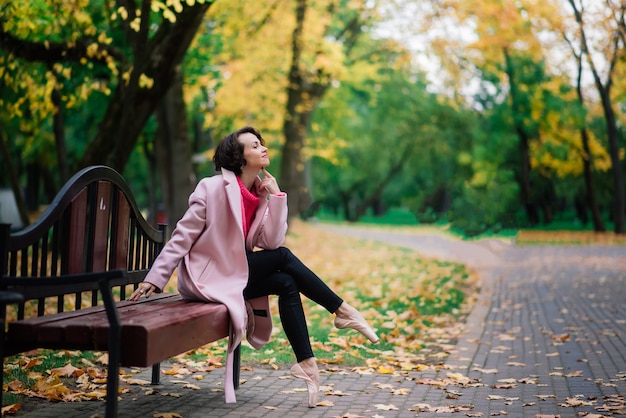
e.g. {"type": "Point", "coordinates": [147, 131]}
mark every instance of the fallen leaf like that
{"type": "Point", "coordinates": [166, 415]}
{"type": "Point", "coordinates": [11, 409]}
{"type": "Point", "coordinates": [67, 370]}
{"type": "Point", "coordinates": [383, 407]}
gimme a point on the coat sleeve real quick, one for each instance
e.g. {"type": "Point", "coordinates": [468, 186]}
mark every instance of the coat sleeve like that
{"type": "Point", "coordinates": [273, 222]}
{"type": "Point", "coordinates": [187, 230]}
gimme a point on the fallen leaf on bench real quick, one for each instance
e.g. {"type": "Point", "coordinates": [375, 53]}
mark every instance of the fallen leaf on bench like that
{"type": "Point", "coordinates": [167, 415]}
{"type": "Point", "coordinates": [67, 370]}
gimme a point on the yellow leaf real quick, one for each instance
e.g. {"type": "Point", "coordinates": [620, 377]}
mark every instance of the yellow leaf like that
{"type": "Point", "coordinates": [67, 370]}
{"type": "Point", "coordinates": [145, 81]}
{"type": "Point", "coordinates": [135, 24]}
{"type": "Point", "coordinates": [166, 415]}
{"type": "Point", "coordinates": [385, 369]}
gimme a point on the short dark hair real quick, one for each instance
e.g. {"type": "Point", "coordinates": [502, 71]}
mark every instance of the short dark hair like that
{"type": "Point", "coordinates": [229, 151]}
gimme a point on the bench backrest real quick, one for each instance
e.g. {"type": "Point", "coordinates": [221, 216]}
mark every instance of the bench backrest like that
{"type": "Point", "coordinates": [92, 225]}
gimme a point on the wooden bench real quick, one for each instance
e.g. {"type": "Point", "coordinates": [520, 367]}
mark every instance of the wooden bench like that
{"type": "Point", "coordinates": [92, 247]}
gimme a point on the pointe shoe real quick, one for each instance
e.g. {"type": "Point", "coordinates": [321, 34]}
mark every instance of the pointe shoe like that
{"type": "Point", "coordinates": [307, 371]}
{"type": "Point", "coordinates": [349, 317]}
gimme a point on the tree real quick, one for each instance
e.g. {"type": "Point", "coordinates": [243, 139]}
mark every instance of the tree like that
{"type": "Point", "coordinates": [611, 50]}
{"type": "Point", "coordinates": [314, 66]}
{"type": "Point", "coordinates": [130, 49]}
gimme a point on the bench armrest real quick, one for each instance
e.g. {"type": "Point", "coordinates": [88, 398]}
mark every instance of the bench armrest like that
{"type": "Point", "coordinates": [34, 287]}
{"type": "Point", "coordinates": [7, 298]}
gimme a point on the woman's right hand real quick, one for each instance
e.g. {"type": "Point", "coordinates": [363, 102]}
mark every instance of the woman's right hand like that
{"type": "Point", "coordinates": [144, 288]}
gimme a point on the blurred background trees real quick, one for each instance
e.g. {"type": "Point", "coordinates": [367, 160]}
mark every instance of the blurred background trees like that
{"type": "Point", "coordinates": [484, 115]}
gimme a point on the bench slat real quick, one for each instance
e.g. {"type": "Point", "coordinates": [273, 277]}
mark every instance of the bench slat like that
{"type": "Point", "coordinates": [152, 330]}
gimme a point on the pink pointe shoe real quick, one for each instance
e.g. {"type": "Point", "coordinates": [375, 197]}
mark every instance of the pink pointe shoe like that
{"type": "Point", "coordinates": [307, 371]}
{"type": "Point", "coordinates": [349, 317]}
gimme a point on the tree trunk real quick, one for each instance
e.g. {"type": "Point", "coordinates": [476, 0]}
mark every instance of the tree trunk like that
{"type": "Point", "coordinates": [614, 150]}
{"type": "Point", "coordinates": [591, 201]}
{"type": "Point", "coordinates": [292, 174]}
{"type": "Point", "coordinates": [380, 187]}
{"type": "Point", "coordinates": [524, 152]}
{"type": "Point", "coordinates": [131, 105]}
{"type": "Point", "coordinates": [58, 127]}
{"type": "Point", "coordinates": [174, 153]}
{"type": "Point", "coordinates": [604, 90]}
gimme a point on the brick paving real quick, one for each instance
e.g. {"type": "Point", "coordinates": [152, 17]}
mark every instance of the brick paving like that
{"type": "Point", "coordinates": [547, 337]}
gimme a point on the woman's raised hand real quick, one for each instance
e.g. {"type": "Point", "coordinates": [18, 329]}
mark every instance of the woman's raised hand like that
{"type": "Point", "coordinates": [269, 182]}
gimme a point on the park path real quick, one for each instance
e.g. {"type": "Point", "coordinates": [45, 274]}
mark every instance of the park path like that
{"type": "Point", "coordinates": [546, 338]}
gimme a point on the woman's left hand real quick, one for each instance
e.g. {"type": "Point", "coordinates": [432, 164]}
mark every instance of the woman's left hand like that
{"type": "Point", "coordinates": [269, 182]}
{"type": "Point", "coordinates": [144, 288]}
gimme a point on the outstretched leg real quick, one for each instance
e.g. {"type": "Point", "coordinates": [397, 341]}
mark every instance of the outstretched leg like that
{"type": "Point", "coordinates": [266, 262]}
{"type": "Point", "coordinates": [263, 263]}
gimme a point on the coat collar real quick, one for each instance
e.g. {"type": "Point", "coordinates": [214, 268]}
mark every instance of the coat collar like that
{"type": "Point", "coordinates": [234, 194]}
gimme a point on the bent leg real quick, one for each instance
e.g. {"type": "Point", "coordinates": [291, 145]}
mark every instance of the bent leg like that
{"type": "Point", "coordinates": [290, 309]}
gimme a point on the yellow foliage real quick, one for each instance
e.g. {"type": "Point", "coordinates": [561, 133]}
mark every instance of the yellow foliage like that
{"type": "Point", "coordinates": [145, 82]}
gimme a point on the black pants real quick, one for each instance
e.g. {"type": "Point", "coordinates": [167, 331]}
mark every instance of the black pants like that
{"type": "Point", "coordinates": [280, 272]}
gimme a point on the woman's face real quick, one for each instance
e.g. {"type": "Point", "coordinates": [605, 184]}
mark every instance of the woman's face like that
{"type": "Point", "coordinates": [254, 153]}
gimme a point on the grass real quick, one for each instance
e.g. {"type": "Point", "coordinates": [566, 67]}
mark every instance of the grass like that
{"type": "Point", "coordinates": [563, 230]}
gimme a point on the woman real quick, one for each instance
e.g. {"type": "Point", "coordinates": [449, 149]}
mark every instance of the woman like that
{"type": "Point", "coordinates": [215, 246]}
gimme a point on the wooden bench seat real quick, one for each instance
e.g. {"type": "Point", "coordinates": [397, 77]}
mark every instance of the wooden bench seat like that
{"type": "Point", "coordinates": [92, 245]}
{"type": "Point", "coordinates": [151, 330]}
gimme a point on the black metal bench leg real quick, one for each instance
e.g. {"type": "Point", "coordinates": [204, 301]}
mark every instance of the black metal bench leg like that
{"type": "Point", "coordinates": [6, 298]}
{"type": "Point", "coordinates": [156, 373]}
{"type": "Point", "coordinates": [115, 332]}
{"type": "Point", "coordinates": [236, 366]}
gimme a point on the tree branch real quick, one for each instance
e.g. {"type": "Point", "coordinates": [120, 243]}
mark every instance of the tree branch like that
{"type": "Point", "coordinates": [51, 52]}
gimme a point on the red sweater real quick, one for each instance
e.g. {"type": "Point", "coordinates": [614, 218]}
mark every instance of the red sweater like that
{"type": "Point", "coordinates": [249, 203]}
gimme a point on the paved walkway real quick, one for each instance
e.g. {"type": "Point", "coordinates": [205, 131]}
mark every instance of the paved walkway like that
{"type": "Point", "coordinates": [546, 338]}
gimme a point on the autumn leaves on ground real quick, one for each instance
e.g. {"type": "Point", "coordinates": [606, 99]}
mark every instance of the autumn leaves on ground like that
{"type": "Point", "coordinates": [416, 305]}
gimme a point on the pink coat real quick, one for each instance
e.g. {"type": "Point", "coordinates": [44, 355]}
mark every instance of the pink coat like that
{"type": "Point", "coordinates": [208, 248]}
